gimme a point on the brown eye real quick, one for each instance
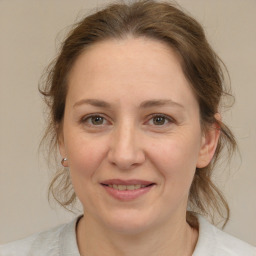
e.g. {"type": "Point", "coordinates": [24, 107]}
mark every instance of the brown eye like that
{"type": "Point", "coordinates": [159, 120]}
{"type": "Point", "coordinates": [94, 120]}
{"type": "Point", "coordinates": [97, 120]}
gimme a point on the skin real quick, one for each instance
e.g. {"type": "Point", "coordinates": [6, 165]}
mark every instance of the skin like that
{"type": "Point", "coordinates": [127, 142]}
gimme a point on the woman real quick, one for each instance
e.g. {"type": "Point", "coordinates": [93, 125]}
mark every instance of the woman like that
{"type": "Point", "coordinates": [134, 97]}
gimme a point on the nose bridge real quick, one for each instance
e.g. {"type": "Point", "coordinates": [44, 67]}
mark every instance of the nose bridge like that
{"type": "Point", "coordinates": [126, 142]}
{"type": "Point", "coordinates": [125, 151]}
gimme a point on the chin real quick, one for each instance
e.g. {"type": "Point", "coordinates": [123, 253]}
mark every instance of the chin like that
{"type": "Point", "coordinates": [129, 223]}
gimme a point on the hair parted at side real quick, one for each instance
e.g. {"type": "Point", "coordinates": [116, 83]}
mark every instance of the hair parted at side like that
{"type": "Point", "coordinates": [167, 23]}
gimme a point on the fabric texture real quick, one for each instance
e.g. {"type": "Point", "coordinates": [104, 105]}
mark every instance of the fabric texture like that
{"type": "Point", "coordinates": [61, 241]}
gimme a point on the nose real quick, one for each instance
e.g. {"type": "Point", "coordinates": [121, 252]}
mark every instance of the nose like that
{"type": "Point", "coordinates": [125, 152]}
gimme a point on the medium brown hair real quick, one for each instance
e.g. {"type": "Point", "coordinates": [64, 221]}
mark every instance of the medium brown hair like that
{"type": "Point", "coordinates": [202, 67]}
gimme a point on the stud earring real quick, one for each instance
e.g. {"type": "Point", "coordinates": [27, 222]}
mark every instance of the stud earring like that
{"type": "Point", "coordinates": [63, 161]}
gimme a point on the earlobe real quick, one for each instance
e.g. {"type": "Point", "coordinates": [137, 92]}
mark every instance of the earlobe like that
{"type": "Point", "coordinates": [209, 144]}
{"type": "Point", "coordinates": [62, 150]}
{"type": "Point", "coordinates": [64, 162]}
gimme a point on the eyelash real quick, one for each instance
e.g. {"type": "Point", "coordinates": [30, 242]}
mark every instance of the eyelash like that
{"type": "Point", "coordinates": [86, 119]}
{"type": "Point", "coordinates": [151, 117]}
{"type": "Point", "coordinates": [166, 117]}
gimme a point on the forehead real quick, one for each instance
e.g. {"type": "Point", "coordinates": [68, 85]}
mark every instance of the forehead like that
{"type": "Point", "coordinates": [129, 52]}
{"type": "Point", "coordinates": [118, 68]}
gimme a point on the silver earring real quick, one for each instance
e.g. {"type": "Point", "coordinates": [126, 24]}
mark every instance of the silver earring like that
{"type": "Point", "coordinates": [63, 160]}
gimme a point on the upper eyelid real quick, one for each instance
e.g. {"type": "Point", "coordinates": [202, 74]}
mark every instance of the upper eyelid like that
{"type": "Point", "coordinates": [86, 117]}
{"type": "Point", "coordinates": [162, 115]}
{"type": "Point", "coordinates": [93, 115]}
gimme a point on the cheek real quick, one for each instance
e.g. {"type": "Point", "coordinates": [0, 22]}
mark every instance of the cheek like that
{"type": "Point", "coordinates": [85, 156]}
{"type": "Point", "coordinates": [176, 158]}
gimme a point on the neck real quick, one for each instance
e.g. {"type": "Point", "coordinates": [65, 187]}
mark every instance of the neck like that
{"type": "Point", "coordinates": [175, 239]}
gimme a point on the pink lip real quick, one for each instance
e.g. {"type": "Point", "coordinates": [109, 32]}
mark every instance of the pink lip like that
{"type": "Point", "coordinates": [127, 195]}
{"type": "Point", "coordinates": [126, 182]}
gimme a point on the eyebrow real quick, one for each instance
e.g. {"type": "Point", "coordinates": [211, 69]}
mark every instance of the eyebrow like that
{"type": "Point", "coordinates": [159, 103]}
{"type": "Point", "coordinates": [144, 104]}
{"type": "Point", "coordinates": [93, 102]}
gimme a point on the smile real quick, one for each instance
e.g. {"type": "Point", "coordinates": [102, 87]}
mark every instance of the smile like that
{"type": "Point", "coordinates": [126, 187]}
{"type": "Point", "coordinates": [127, 190]}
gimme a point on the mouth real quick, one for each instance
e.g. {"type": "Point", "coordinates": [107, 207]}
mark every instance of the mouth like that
{"type": "Point", "coordinates": [127, 187]}
{"type": "Point", "coordinates": [127, 190]}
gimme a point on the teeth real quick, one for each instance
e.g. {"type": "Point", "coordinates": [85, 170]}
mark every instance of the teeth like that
{"type": "Point", "coordinates": [121, 187]}
{"type": "Point", "coordinates": [130, 187]}
{"type": "Point", "coordinates": [127, 187]}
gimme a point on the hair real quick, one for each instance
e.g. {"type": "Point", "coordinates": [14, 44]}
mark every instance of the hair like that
{"type": "Point", "coordinates": [202, 67]}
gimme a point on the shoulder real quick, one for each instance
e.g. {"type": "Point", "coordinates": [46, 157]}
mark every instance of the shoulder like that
{"type": "Point", "coordinates": [40, 243]}
{"type": "Point", "coordinates": [214, 242]}
{"type": "Point", "coordinates": [48, 243]}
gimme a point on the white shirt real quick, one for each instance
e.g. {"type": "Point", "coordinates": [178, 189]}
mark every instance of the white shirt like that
{"type": "Point", "coordinates": [61, 241]}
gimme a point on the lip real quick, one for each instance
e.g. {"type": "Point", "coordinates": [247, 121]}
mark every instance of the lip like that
{"type": "Point", "coordinates": [126, 182]}
{"type": "Point", "coordinates": [127, 195]}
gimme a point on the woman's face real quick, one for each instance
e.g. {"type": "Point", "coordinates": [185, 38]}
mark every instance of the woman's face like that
{"type": "Point", "coordinates": [132, 135]}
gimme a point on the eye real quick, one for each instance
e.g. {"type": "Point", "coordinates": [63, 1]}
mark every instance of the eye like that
{"type": "Point", "coordinates": [94, 120]}
{"type": "Point", "coordinates": [160, 120]}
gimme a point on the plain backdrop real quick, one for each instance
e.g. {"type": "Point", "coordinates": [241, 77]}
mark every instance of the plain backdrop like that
{"type": "Point", "coordinates": [30, 34]}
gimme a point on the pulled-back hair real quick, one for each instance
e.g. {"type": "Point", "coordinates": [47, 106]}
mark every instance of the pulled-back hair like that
{"type": "Point", "coordinates": [202, 67]}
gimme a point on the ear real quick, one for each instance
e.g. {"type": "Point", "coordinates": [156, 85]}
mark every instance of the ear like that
{"type": "Point", "coordinates": [61, 145]}
{"type": "Point", "coordinates": [209, 143]}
